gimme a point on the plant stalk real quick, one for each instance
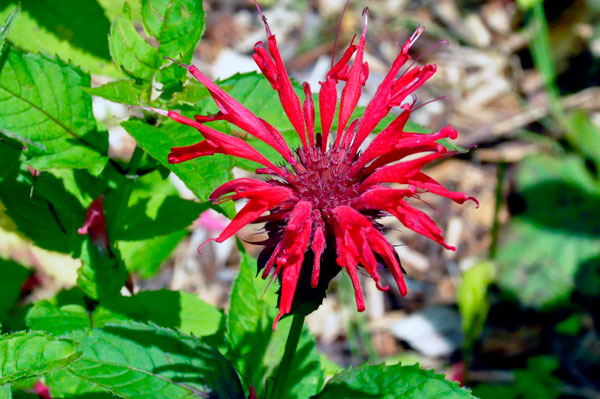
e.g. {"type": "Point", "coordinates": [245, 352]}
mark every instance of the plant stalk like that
{"type": "Point", "coordinates": [288, 357]}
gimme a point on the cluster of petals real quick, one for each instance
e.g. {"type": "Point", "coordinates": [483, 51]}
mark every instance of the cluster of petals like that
{"type": "Point", "coordinates": [329, 192]}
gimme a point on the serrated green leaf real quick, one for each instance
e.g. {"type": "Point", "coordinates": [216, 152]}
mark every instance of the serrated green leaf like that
{"type": "Point", "coordinates": [171, 309]}
{"type": "Point", "coordinates": [255, 349]}
{"type": "Point", "coordinates": [144, 256]}
{"type": "Point", "coordinates": [29, 354]}
{"type": "Point", "coordinates": [201, 175]}
{"type": "Point", "coordinates": [45, 316]}
{"type": "Point", "coordinates": [544, 246]}
{"type": "Point", "coordinates": [42, 105]}
{"type": "Point", "coordinates": [64, 384]}
{"type": "Point", "coordinates": [391, 382]}
{"type": "Point", "coordinates": [120, 91]}
{"type": "Point", "coordinates": [177, 25]}
{"type": "Point", "coordinates": [133, 54]}
{"type": "Point", "coordinates": [136, 360]}
{"type": "Point", "coordinates": [12, 277]}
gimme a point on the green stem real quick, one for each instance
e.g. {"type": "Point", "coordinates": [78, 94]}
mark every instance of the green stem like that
{"type": "Point", "coordinates": [291, 344]}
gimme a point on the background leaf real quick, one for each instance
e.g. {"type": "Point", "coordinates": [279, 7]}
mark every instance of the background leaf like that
{"type": "Point", "coordinates": [42, 105]}
{"type": "Point", "coordinates": [137, 360]}
{"type": "Point", "coordinates": [12, 277]}
{"type": "Point", "coordinates": [391, 382]}
{"type": "Point", "coordinates": [555, 232]}
{"type": "Point", "coordinates": [29, 354]}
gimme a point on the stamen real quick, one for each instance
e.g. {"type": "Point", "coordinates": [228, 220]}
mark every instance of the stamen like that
{"type": "Point", "coordinates": [264, 19]}
{"type": "Point", "coordinates": [158, 111]}
{"type": "Point", "coordinates": [337, 33]}
{"type": "Point", "coordinates": [428, 50]}
{"type": "Point", "coordinates": [430, 101]}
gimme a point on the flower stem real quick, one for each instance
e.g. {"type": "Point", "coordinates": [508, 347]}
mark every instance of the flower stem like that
{"type": "Point", "coordinates": [288, 357]}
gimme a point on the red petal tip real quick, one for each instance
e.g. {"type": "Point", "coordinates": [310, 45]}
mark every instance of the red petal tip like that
{"type": "Point", "coordinates": [277, 320]}
{"type": "Point", "coordinates": [201, 245]}
{"type": "Point", "coordinates": [474, 200]}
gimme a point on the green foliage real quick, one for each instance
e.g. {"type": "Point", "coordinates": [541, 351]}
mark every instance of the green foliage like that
{"type": "Point", "coordinates": [255, 349]}
{"type": "Point", "coordinates": [7, 24]}
{"type": "Point", "coordinates": [102, 273]}
{"type": "Point", "coordinates": [45, 316]}
{"type": "Point", "coordinates": [534, 382]}
{"type": "Point", "coordinates": [12, 277]}
{"type": "Point", "coordinates": [548, 242]}
{"type": "Point", "coordinates": [5, 392]}
{"type": "Point", "coordinates": [472, 299]}
{"type": "Point", "coordinates": [390, 382]}
{"type": "Point", "coordinates": [171, 309]}
{"type": "Point", "coordinates": [121, 91]}
{"type": "Point", "coordinates": [139, 360]}
{"type": "Point", "coordinates": [42, 105]}
{"type": "Point", "coordinates": [29, 354]}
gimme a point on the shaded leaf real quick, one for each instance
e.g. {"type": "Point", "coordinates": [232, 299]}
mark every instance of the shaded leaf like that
{"type": "Point", "coordinates": [102, 274]}
{"type": "Point", "coordinates": [12, 277]}
{"type": "Point", "coordinates": [138, 360]}
{"type": "Point", "coordinates": [45, 316]}
{"type": "Point", "coordinates": [391, 382]}
{"type": "Point", "coordinates": [555, 232]}
{"type": "Point", "coordinates": [50, 42]}
{"type": "Point", "coordinates": [42, 105]}
{"type": "Point", "coordinates": [10, 151]}
{"type": "Point", "coordinates": [29, 354]}
{"type": "Point", "coordinates": [171, 309]}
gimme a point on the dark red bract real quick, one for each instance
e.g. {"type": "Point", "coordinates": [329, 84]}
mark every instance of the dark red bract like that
{"type": "Point", "coordinates": [329, 195]}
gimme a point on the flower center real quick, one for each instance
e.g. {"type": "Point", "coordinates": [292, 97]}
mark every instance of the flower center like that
{"type": "Point", "coordinates": [323, 178]}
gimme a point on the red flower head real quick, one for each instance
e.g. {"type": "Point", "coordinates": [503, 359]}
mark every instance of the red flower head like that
{"type": "Point", "coordinates": [324, 204]}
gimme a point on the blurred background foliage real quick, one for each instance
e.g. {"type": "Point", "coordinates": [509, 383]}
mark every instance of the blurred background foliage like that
{"type": "Point", "coordinates": [514, 314]}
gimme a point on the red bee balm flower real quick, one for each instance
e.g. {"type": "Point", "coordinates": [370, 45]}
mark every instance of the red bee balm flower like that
{"type": "Point", "coordinates": [323, 205]}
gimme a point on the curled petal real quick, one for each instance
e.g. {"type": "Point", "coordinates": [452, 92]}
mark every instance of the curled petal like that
{"type": "Point", "coordinates": [425, 182]}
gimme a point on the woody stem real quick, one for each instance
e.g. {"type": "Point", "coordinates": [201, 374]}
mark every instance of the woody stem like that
{"type": "Point", "coordinates": [288, 357]}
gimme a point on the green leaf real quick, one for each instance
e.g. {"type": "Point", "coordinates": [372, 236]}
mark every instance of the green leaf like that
{"type": "Point", "coordinates": [5, 392]}
{"type": "Point", "coordinates": [42, 105]}
{"type": "Point", "coordinates": [554, 235]}
{"type": "Point", "coordinates": [43, 211]}
{"type": "Point", "coordinates": [534, 382]}
{"type": "Point", "coordinates": [6, 28]}
{"type": "Point", "coordinates": [10, 151]}
{"type": "Point", "coordinates": [171, 309]}
{"type": "Point", "coordinates": [84, 27]}
{"type": "Point", "coordinates": [585, 136]}
{"type": "Point", "coordinates": [55, 33]}
{"type": "Point", "coordinates": [120, 91]}
{"type": "Point", "coordinates": [472, 299]}
{"type": "Point", "coordinates": [138, 360]}
{"type": "Point", "coordinates": [145, 256]}
{"type": "Point", "coordinates": [201, 175]}
{"type": "Point", "coordinates": [64, 384]}
{"type": "Point", "coordinates": [45, 316]}
{"type": "Point", "coordinates": [12, 277]}
{"type": "Point", "coordinates": [255, 349]}
{"type": "Point", "coordinates": [177, 25]}
{"type": "Point", "coordinates": [30, 354]}
{"type": "Point", "coordinates": [391, 382]}
{"type": "Point", "coordinates": [192, 94]}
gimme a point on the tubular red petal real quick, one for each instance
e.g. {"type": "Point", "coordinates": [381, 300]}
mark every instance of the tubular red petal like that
{"type": "Point", "coordinates": [287, 95]}
{"type": "Point", "coordinates": [398, 172]}
{"type": "Point", "coordinates": [360, 302]}
{"type": "Point", "coordinates": [309, 113]}
{"type": "Point", "coordinates": [386, 251]}
{"type": "Point", "coordinates": [351, 92]}
{"type": "Point", "coordinates": [396, 155]}
{"type": "Point", "coordinates": [240, 116]}
{"type": "Point", "coordinates": [380, 106]}
{"type": "Point", "coordinates": [403, 86]}
{"type": "Point", "coordinates": [216, 142]}
{"type": "Point", "coordinates": [423, 181]}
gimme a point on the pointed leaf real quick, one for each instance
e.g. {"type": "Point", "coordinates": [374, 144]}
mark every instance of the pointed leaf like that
{"type": "Point", "coordinates": [42, 105]}
{"type": "Point", "coordinates": [391, 382]}
{"type": "Point", "coordinates": [29, 354]}
{"type": "Point", "coordinates": [136, 360]}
